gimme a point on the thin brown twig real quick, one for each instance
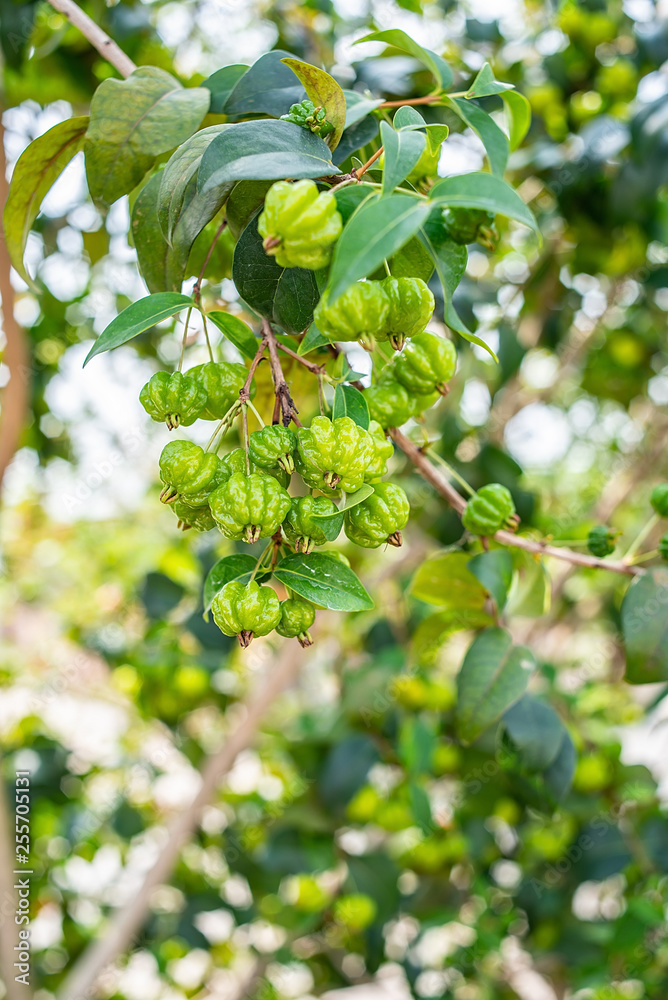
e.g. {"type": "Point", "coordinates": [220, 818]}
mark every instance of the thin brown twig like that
{"type": "Point", "coordinates": [127, 922]}
{"type": "Point", "coordinates": [458, 503]}
{"type": "Point", "coordinates": [244, 393]}
{"type": "Point", "coordinates": [286, 402]}
{"type": "Point", "coordinates": [311, 365]}
{"type": "Point", "coordinates": [365, 166]}
{"type": "Point", "coordinates": [98, 38]}
{"type": "Point", "coordinates": [429, 99]}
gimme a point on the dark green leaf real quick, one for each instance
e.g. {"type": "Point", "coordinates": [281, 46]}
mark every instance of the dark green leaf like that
{"type": "Point", "coordinates": [37, 168]}
{"type": "Point", "coordinates": [269, 87]}
{"type": "Point", "coordinates": [480, 190]}
{"type": "Point", "coordinates": [559, 776]}
{"type": "Point", "coordinates": [161, 266]}
{"type": "Point", "coordinates": [402, 150]}
{"type": "Point", "coordinates": [352, 500]}
{"type": "Point", "coordinates": [350, 402]}
{"type": "Point", "coordinates": [131, 122]}
{"type": "Point", "coordinates": [417, 742]}
{"type": "Point", "coordinates": [421, 808]}
{"type": "Point", "coordinates": [354, 138]}
{"type": "Point", "coordinates": [400, 40]}
{"type": "Point", "coordinates": [236, 332]}
{"type": "Point", "coordinates": [16, 25]}
{"type": "Point", "coordinates": [222, 83]}
{"type": "Point", "coordinates": [493, 139]}
{"type": "Point", "coordinates": [324, 91]}
{"type": "Point", "coordinates": [349, 198]}
{"type": "Point", "coordinates": [324, 580]}
{"type": "Point", "coordinates": [137, 318]}
{"type": "Point", "coordinates": [264, 150]}
{"type": "Point", "coordinates": [536, 730]}
{"type": "Point", "coordinates": [495, 571]}
{"type": "Point", "coordinates": [447, 581]}
{"type": "Point", "coordinates": [493, 676]}
{"type": "Point", "coordinates": [484, 84]}
{"type": "Point", "coordinates": [237, 567]}
{"type": "Point", "coordinates": [177, 176]}
{"type": "Point", "coordinates": [378, 228]}
{"type": "Point", "coordinates": [645, 627]}
{"type": "Point", "coordinates": [313, 339]}
{"type": "Point", "coordinates": [286, 296]}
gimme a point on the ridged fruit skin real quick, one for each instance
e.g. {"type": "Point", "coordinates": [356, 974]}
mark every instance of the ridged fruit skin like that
{"type": "Point", "coordinates": [380, 518]}
{"type": "Point", "coordinates": [390, 403]}
{"type": "Point", "coordinates": [299, 527]}
{"type": "Point", "coordinates": [188, 472]}
{"type": "Point", "coordinates": [222, 382]}
{"type": "Point", "coordinates": [426, 364]}
{"type": "Point", "coordinates": [175, 398]}
{"type": "Point", "coordinates": [382, 453]}
{"type": "Point", "coordinates": [249, 507]}
{"type": "Point", "coordinates": [359, 314]}
{"type": "Point", "coordinates": [299, 224]}
{"type": "Point", "coordinates": [601, 541]}
{"type": "Point", "coordinates": [297, 616]}
{"type": "Point", "coordinates": [199, 518]}
{"type": "Point", "coordinates": [246, 610]}
{"type": "Point", "coordinates": [411, 308]}
{"type": "Point", "coordinates": [488, 510]}
{"type": "Point", "coordinates": [334, 454]}
{"type": "Point", "coordinates": [273, 446]}
{"type": "Point", "coordinates": [235, 461]}
{"type": "Point", "coordinates": [659, 499]}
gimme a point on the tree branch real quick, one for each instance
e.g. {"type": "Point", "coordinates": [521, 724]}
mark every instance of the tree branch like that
{"type": "Point", "coordinates": [283, 397]}
{"type": "Point", "coordinates": [98, 38]}
{"type": "Point", "coordinates": [16, 354]}
{"type": "Point", "coordinates": [128, 921]}
{"type": "Point", "coordinates": [458, 503]}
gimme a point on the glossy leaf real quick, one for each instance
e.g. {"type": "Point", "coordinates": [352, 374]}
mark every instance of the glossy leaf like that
{"type": "Point", "coordinates": [493, 676]}
{"type": "Point", "coordinates": [375, 231]}
{"type": "Point", "coordinates": [239, 567]}
{"type": "Point", "coordinates": [447, 581]}
{"type": "Point", "coordinates": [222, 83]}
{"type": "Point", "coordinates": [644, 624]}
{"type": "Point", "coordinates": [313, 339]}
{"type": "Point", "coordinates": [354, 138]}
{"type": "Point", "coordinates": [269, 87]}
{"type": "Point", "coordinates": [324, 91]}
{"type": "Point", "coordinates": [402, 150]}
{"type": "Point", "coordinates": [350, 402]}
{"type": "Point", "coordinates": [161, 267]}
{"type": "Point", "coordinates": [358, 106]}
{"type": "Point", "coordinates": [131, 122]}
{"type": "Point", "coordinates": [177, 176]}
{"type": "Point", "coordinates": [286, 296]}
{"type": "Point", "coordinates": [263, 150]}
{"type": "Point", "coordinates": [349, 198]}
{"type": "Point", "coordinates": [236, 331]}
{"type": "Point", "coordinates": [480, 190]}
{"type": "Point", "coordinates": [493, 139]}
{"type": "Point", "coordinates": [352, 500]}
{"type": "Point", "coordinates": [400, 40]}
{"type": "Point", "coordinates": [494, 570]}
{"type": "Point", "coordinates": [536, 730]}
{"type": "Point", "coordinates": [519, 116]}
{"type": "Point", "coordinates": [324, 580]}
{"type": "Point", "coordinates": [484, 84]}
{"type": "Point", "coordinates": [137, 318]}
{"type": "Point", "coordinates": [408, 118]}
{"type": "Point", "coordinates": [36, 170]}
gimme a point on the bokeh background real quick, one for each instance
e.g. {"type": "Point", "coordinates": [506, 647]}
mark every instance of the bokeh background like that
{"type": "Point", "coordinates": [469, 881]}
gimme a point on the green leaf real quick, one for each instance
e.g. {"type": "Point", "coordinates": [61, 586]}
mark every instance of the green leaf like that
{"type": "Point", "coordinates": [312, 341]}
{"type": "Point", "coordinates": [644, 622]}
{"type": "Point", "coordinates": [352, 500]}
{"type": "Point", "coordinates": [531, 593]}
{"type": "Point", "coordinates": [237, 567]}
{"type": "Point", "coordinates": [408, 118]}
{"type": "Point", "coordinates": [286, 296]}
{"type": "Point", "coordinates": [376, 230]}
{"type": "Point", "coordinates": [349, 199]}
{"type": "Point", "coordinates": [434, 631]}
{"type": "Point", "coordinates": [447, 581]}
{"type": "Point", "coordinates": [495, 571]}
{"type": "Point", "coordinates": [421, 808]}
{"type": "Point", "coordinates": [177, 176]}
{"type": "Point", "coordinates": [269, 87]}
{"type": "Point", "coordinates": [480, 190]}
{"type": "Point", "coordinates": [37, 168]}
{"type": "Point", "coordinates": [324, 580]}
{"type": "Point", "coordinates": [324, 91]}
{"type": "Point", "coordinates": [131, 122]}
{"type": "Point", "coordinates": [400, 40]}
{"type": "Point", "coordinates": [264, 151]}
{"type": "Point", "coordinates": [16, 26]}
{"type": "Point", "coordinates": [412, 261]}
{"type": "Point", "coordinates": [161, 266]}
{"type": "Point", "coordinates": [485, 85]}
{"type": "Point", "coordinates": [417, 741]}
{"type": "Point", "coordinates": [358, 106]}
{"type": "Point", "coordinates": [558, 777]}
{"type": "Point", "coordinates": [222, 83]}
{"type": "Point", "coordinates": [236, 331]}
{"type": "Point", "coordinates": [354, 138]}
{"type": "Point", "coordinates": [493, 677]}
{"type": "Point", "coordinates": [137, 318]}
{"type": "Point", "coordinates": [493, 139]}
{"type": "Point", "coordinates": [402, 150]}
{"type": "Point", "coordinates": [536, 730]}
{"type": "Point", "coordinates": [350, 402]}
{"type": "Point", "coordinates": [519, 116]}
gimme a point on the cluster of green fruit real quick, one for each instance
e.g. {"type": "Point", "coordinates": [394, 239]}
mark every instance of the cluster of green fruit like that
{"type": "Point", "coordinates": [601, 540]}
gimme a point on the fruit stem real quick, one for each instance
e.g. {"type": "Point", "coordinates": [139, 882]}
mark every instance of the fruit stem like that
{"type": "Point", "coordinates": [206, 335]}
{"type": "Point", "coordinates": [640, 537]}
{"type": "Point", "coordinates": [257, 415]}
{"type": "Point", "coordinates": [185, 337]}
{"type": "Point", "coordinates": [451, 472]}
